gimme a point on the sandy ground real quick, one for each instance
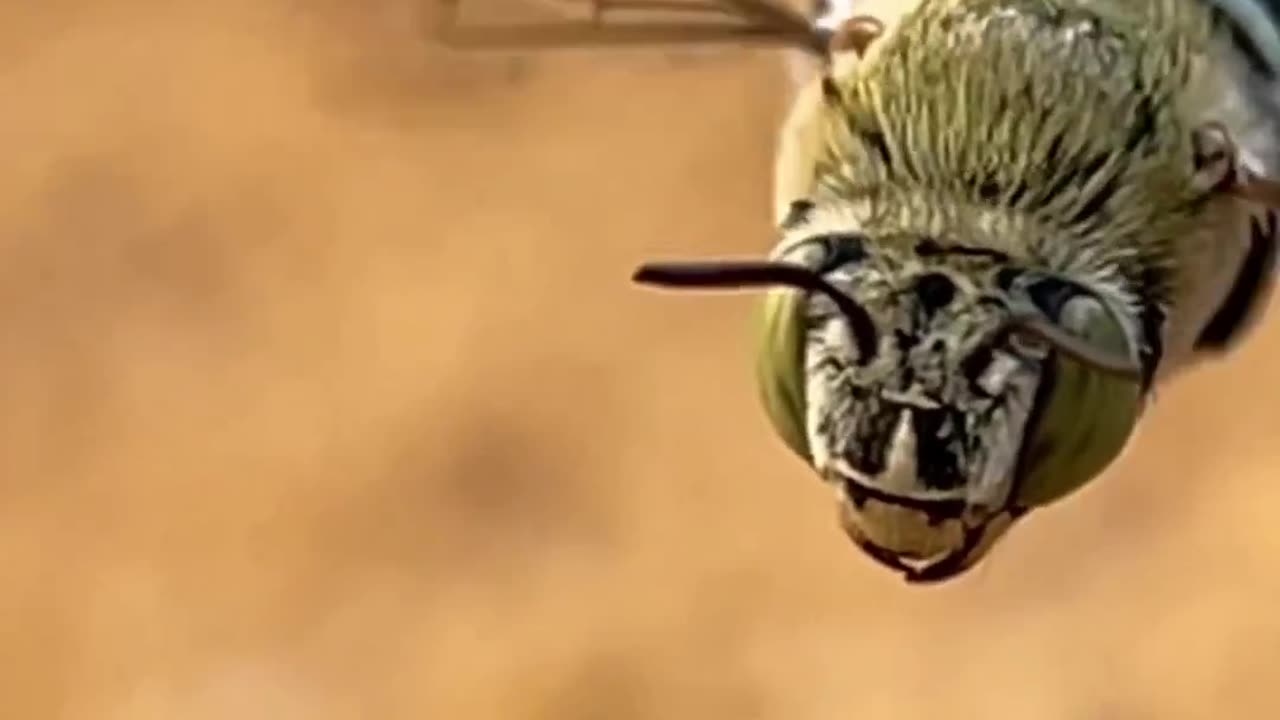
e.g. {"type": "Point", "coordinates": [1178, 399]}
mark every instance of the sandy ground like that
{"type": "Point", "coordinates": [323, 394]}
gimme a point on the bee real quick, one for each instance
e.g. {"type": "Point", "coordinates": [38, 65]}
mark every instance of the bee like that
{"type": "Point", "coordinates": [1002, 224]}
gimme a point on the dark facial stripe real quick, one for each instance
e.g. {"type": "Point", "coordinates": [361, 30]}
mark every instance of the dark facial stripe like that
{"type": "Point", "coordinates": [932, 248]}
{"type": "Point", "coordinates": [937, 461]}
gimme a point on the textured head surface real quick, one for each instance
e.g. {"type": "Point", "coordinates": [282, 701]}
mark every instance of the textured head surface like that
{"type": "Point", "coordinates": [923, 420]}
{"type": "Point", "coordinates": [942, 361]}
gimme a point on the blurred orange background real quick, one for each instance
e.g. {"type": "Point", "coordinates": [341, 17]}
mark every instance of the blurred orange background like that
{"type": "Point", "coordinates": [324, 394]}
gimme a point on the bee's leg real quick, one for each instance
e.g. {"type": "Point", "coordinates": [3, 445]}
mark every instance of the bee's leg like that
{"type": "Point", "coordinates": [740, 22]}
{"type": "Point", "coordinates": [1215, 159]}
{"type": "Point", "coordinates": [856, 34]}
{"type": "Point", "coordinates": [850, 35]}
{"type": "Point", "coordinates": [1219, 168]}
{"type": "Point", "coordinates": [600, 7]}
{"type": "Point", "coordinates": [1249, 292]}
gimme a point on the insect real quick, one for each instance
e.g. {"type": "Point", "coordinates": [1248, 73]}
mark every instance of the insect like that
{"type": "Point", "coordinates": [1002, 224]}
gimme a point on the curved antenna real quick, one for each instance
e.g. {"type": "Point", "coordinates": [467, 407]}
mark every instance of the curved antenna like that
{"type": "Point", "coordinates": [1078, 349]}
{"type": "Point", "coordinates": [738, 274]}
{"type": "Point", "coordinates": [755, 22]}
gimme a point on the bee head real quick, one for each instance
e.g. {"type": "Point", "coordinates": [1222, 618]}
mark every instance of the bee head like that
{"type": "Point", "coordinates": [942, 390]}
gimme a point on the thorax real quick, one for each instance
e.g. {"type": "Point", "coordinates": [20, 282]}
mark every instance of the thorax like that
{"type": "Point", "coordinates": [1062, 127]}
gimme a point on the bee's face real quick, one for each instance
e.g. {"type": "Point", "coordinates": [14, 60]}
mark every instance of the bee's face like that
{"type": "Point", "coordinates": [942, 389]}
{"type": "Point", "coordinates": [921, 429]}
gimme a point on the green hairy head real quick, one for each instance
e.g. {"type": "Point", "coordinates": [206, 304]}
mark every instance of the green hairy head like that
{"type": "Point", "coordinates": [943, 390]}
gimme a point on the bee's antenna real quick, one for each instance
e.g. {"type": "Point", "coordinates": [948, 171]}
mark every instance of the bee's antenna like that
{"type": "Point", "coordinates": [737, 274]}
